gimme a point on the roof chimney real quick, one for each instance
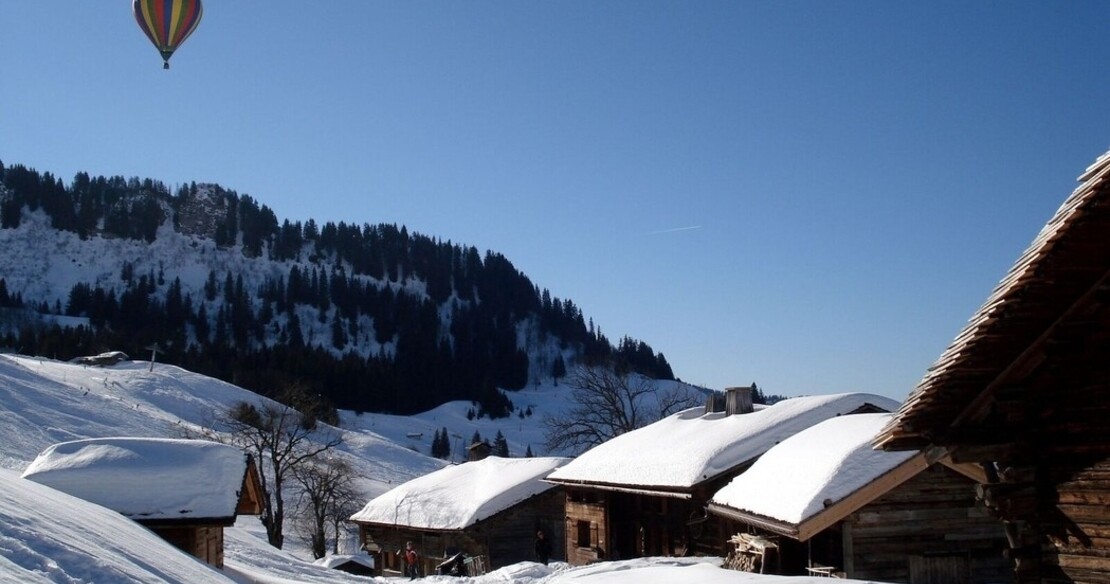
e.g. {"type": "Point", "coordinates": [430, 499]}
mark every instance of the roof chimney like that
{"type": "Point", "coordinates": [715, 403]}
{"type": "Point", "coordinates": [478, 451]}
{"type": "Point", "coordinates": [738, 400]}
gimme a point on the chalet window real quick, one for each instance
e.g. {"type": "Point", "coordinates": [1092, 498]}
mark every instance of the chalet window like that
{"type": "Point", "coordinates": [584, 531]}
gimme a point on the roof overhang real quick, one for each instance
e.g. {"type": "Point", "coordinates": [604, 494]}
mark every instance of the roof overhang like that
{"type": "Point", "coordinates": [1060, 276]}
{"type": "Point", "coordinates": [185, 522]}
{"type": "Point", "coordinates": [837, 511]}
{"type": "Point", "coordinates": [631, 489]}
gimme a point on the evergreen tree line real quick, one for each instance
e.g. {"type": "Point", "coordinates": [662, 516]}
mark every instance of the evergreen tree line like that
{"type": "Point", "coordinates": [342, 275]}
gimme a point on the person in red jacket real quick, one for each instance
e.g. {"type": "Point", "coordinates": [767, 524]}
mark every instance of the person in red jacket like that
{"type": "Point", "coordinates": [410, 560]}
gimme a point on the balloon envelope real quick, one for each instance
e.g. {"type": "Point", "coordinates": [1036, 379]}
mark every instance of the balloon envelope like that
{"type": "Point", "coordinates": [167, 23]}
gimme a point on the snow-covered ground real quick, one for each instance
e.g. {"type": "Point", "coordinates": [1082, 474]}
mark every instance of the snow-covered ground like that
{"type": "Point", "coordinates": [47, 536]}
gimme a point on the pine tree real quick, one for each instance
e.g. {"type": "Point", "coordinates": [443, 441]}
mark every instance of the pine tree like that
{"type": "Point", "coordinates": [441, 444]}
{"type": "Point", "coordinates": [500, 445]}
{"type": "Point", "coordinates": [528, 452]}
{"type": "Point", "coordinates": [559, 369]}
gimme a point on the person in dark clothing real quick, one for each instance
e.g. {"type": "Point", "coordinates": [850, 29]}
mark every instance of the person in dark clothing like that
{"type": "Point", "coordinates": [543, 548]}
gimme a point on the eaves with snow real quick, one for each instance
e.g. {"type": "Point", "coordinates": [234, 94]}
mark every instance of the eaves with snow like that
{"type": "Point", "coordinates": [830, 468]}
{"type": "Point", "coordinates": [150, 478]}
{"type": "Point", "coordinates": [687, 449]}
{"type": "Point", "coordinates": [49, 536]}
{"type": "Point", "coordinates": [457, 497]}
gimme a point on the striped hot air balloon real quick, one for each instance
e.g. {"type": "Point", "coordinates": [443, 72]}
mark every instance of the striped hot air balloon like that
{"type": "Point", "coordinates": [167, 23]}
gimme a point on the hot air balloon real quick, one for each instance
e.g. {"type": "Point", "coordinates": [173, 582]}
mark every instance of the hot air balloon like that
{"type": "Point", "coordinates": [167, 23]}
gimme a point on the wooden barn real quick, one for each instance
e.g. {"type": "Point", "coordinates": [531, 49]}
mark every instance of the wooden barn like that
{"type": "Point", "coordinates": [824, 502]}
{"type": "Point", "coordinates": [489, 509]}
{"type": "Point", "coordinates": [644, 493]}
{"type": "Point", "coordinates": [1024, 391]}
{"type": "Point", "coordinates": [186, 491]}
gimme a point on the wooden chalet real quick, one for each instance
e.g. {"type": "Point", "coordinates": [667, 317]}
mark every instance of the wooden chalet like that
{"type": "Point", "coordinates": [1024, 392]}
{"type": "Point", "coordinates": [644, 493]}
{"type": "Point", "coordinates": [824, 502]}
{"type": "Point", "coordinates": [488, 509]}
{"type": "Point", "coordinates": [185, 491]}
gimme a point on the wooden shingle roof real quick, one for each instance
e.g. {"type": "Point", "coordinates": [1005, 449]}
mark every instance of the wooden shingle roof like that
{"type": "Point", "coordinates": [1054, 291]}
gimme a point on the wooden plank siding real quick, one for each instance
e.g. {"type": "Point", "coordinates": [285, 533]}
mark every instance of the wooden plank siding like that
{"type": "Point", "coordinates": [203, 542]}
{"type": "Point", "coordinates": [626, 525]}
{"type": "Point", "coordinates": [925, 529]}
{"type": "Point", "coordinates": [587, 526]}
{"type": "Point", "coordinates": [505, 538]}
{"type": "Point", "coordinates": [933, 515]}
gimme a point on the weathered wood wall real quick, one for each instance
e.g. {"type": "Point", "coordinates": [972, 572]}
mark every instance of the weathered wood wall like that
{"type": "Point", "coordinates": [933, 522]}
{"type": "Point", "coordinates": [511, 535]}
{"type": "Point", "coordinates": [1051, 442]}
{"type": "Point", "coordinates": [586, 508]}
{"type": "Point", "coordinates": [203, 542]}
{"type": "Point", "coordinates": [505, 538]}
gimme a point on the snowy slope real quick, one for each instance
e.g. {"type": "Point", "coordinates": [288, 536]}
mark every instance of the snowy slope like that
{"type": "Point", "coordinates": [43, 402]}
{"type": "Point", "coordinates": [543, 399]}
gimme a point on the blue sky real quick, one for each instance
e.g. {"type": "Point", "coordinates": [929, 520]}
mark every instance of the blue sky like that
{"type": "Point", "coordinates": [814, 196]}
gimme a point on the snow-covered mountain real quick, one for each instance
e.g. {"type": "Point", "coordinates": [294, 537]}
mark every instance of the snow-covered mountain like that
{"type": "Point", "coordinates": [372, 317]}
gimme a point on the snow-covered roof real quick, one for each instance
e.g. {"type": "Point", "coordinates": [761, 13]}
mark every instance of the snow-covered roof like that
{"type": "Point", "coordinates": [147, 478]}
{"type": "Point", "coordinates": [690, 447]}
{"type": "Point", "coordinates": [456, 497]}
{"type": "Point", "coordinates": [812, 470]}
{"type": "Point", "coordinates": [334, 561]}
{"type": "Point", "coordinates": [48, 536]}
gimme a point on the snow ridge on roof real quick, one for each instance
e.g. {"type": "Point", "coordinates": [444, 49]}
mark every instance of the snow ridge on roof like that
{"type": "Point", "coordinates": [456, 497]}
{"type": "Point", "coordinates": [826, 462]}
{"type": "Point", "coordinates": [690, 447]}
{"type": "Point", "coordinates": [146, 478]}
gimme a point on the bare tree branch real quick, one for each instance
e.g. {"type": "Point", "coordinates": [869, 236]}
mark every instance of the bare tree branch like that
{"type": "Point", "coordinates": [327, 499]}
{"type": "Point", "coordinates": [608, 404]}
{"type": "Point", "coordinates": [283, 437]}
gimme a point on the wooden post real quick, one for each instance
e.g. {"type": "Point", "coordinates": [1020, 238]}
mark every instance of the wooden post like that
{"type": "Point", "coordinates": [154, 350]}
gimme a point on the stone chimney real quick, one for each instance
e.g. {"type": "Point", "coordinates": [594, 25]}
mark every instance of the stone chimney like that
{"type": "Point", "coordinates": [738, 400]}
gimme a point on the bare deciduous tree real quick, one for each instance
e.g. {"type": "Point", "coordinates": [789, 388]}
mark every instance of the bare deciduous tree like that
{"type": "Point", "coordinates": [608, 404]}
{"type": "Point", "coordinates": [327, 498]}
{"type": "Point", "coordinates": [282, 439]}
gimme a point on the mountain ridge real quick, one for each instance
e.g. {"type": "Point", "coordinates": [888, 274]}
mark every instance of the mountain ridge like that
{"type": "Point", "coordinates": [370, 316]}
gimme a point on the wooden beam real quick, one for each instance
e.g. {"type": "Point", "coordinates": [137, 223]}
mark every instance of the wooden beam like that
{"type": "Point", "coordinates": [873, 490]}
{"type": "Point", "coordinates": [1029, 359]}
{"type": "Point", "coordinates": [972, 471]}
{"type": "Point", "coordinates": [1004, 452]}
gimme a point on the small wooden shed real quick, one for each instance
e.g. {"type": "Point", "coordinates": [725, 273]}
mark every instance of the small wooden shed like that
{"type": "Point", "coordinates": [825, 502]}
{"type": "Point", "coordinates": [491, 508]}
{"type": "Point", "coordinates": [186, 491]}
{"type": "Point", "coordinates": [1024, 391]}
{"type": "Point", "coordinates": [644, 493]}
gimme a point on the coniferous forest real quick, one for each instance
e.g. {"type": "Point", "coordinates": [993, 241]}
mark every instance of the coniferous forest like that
{"type": "Point", "coordinates": [410, 321]}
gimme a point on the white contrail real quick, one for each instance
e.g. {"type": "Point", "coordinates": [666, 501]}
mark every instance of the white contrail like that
{"type": "Point", "coordinates": [674, 230]}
